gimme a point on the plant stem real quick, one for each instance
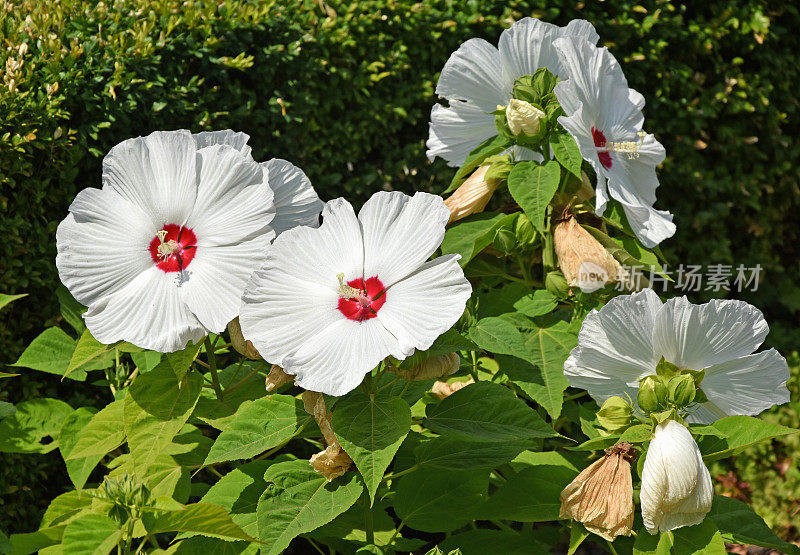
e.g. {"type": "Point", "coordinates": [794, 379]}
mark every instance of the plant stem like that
{"type": "Point", "coordinates": [396, 531]}
{"type": "Point", "coordinates": [212, 365]}
{"type": "Point", "coordinates": [394, 475]}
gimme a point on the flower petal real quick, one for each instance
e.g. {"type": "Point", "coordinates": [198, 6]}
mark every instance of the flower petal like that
{"type": "Point", "coordinates": [156, 173]}
{"type": "Point", "coordinates": [527, 46]}
{"type": "Point", "coordinates": [615, 346]}
{"type": "Point", "coordinates": [102, 244]}
{"type": "Point", "coordinates": [456, 131]}
{"type": "Point", "coordinates": [427, 303]}
{"type": "Point", "coordinates": [400, 233]}
{"type": "Point", "coordinates": [698, 336]}
{"type": "Point", "coordinates": [149, 313]}
{"type": "Point", "coordinates": [296, 201]}
{"type": "Point", "coordinates": [234, 201]}
{"type": "Point", "coordinates": [475, 73]}
{"type": "Point", "coordinates": [235, 139]}
{"type": "Point", "coordinates": [748, 385]}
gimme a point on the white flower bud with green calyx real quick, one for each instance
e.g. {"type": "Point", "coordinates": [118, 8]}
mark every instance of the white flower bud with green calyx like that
{"type": "Point", "coordinates": [523, 117]}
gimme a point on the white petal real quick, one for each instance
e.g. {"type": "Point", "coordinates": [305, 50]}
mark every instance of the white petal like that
{"type": "Point", "coordinates": [521, 154]}
{"type": "Point", "coordinates": [213, 283]}
{"type": "Point", "coordinates": [456, 131]}
{"type": "Point", "coordinates": [148, 313]}
{"type": "Point", "coordinates": [400, 233]}
{"type": "Point", "coordinates": [234, 201]}
{"type": "Point", "coordinates": [748, 385]}
{"type": "Point", "coordinates": [102, 244]}
{"type": "Point", "coordinates": [676, 485]}
{"type": "Point", "coordinates": [615, 346]}
{"type": "Point", "coordinates": [335, 360]}
{"type": "Point", "coordinates": [698, 336]}
{"type": "Point", "coordinates": [581, 28]}
{"type": "Point", "coordinates": [296, 201]}
{"type": "Point", "coordinates": [425, 304]}
{"type": "Point", "coordinates": [156, 173]}
{"type": "Point", "coordinates": [706, 413]}
{"type": "Point", "coordinates": [527, 46]}
{"type": "Point", "coordinates": [475, 73]}
{"type": "Point", "coordinates": [235, 139]}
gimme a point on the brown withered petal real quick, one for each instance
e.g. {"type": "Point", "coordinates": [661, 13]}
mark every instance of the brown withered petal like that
{"type": "Point", "coordinates": [575, 246]}
{"type": "Point", "coordinates": [433, 367]}
{"type": "Point", "coordinates": [277, 377]}
{"type": "Point", "coordinates": [444, 389]}
{"type": "Point", "coordinates": [472, 196]}
{"type": "Point", "coordinates": [601, 497]}
{"type": "Point", "coordinates": [333, 461]}
{"type": "Point", "coordinates": [239, 343]}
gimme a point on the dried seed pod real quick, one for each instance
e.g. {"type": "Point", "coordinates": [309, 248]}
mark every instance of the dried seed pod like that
{"type": "Point", "coordinates": [277, 377]}
{"type": "Point", "coordinates": [584, 262]}
{"type": "Point", "coordinates": [601, 497]}
{"type": "Point", "coordinates": [239, 342]}
{"type": "Point", "coordinates": [333, 461]}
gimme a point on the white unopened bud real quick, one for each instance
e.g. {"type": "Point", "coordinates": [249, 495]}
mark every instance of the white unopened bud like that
{"type": "Point", "coordinates": [676, 485]}
{"type": "Point", "coordinates": [472, 196]}
{"type": "Point", "coordinates": [523, 117]}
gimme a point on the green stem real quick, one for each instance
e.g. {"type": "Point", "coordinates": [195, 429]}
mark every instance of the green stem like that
{"type": "Point", "coordinates": [394, 475]}
{"type": "Point", "coordinates": [396, 532]}
{"type": "Point", "coordinates": [390, 384]}
{"type": "Point", "coordinates": [212, 365]}
{"type": "Point", "coordinates": [503, 526]}
{"type": "Point", "coordinates": [526, 269]}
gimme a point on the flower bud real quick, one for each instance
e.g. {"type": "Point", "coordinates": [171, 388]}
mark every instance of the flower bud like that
{"type": "Point", "coordinates": [523, 117]}
{"type": "Point", "coordinates": [615, 414]}
{"type": "Point", "coordinates": [676, 485]}
{"type": "Point", "coordinates": [524, 230]}
{"type": "Point", "coordinates": [472, 196]}
{"type": "Point", "coordinates": [584, 262]}
{"type": "Point", "coordinates": [504, 240]}
{"type": "Point", "coordinates": [681, 390]}
{"type": "Point", "coordinates": [555, 283]}
{"type": "Point", "coordinates": [652, 394]}
{"type": "Point", "coordinates": [441, 390]}
{"type": "Point", "coordinates": [333, 461]}
{"type": "Point", "coordinates": [276, 378]}
{"type": "Point", "coordinates": [239, 343]}
{"type": "Point", "coordinates": [601, 497]}
{"type": "Point", "coordinates": [431, 367]}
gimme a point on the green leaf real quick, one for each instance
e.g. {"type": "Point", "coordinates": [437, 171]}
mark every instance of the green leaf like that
{"type": "Point", "coordinates": [471, 235]}
{"type": "Point", "coordinates": [181, 361]}
{"type": "Point", "coordinates": [434, 500]}
{"type": "Point", "coordinates": [737, 433]}
{"type": "Point", "coordinates": [516, 297]}
{"type": "Point", "coordinates": [5, 544]}
{"type": "Point", "coordinates": [71, 429]}
{"type": "Point", "coordinates": [257, 426]}
{"type": "Point", "coordinates": [738, 523]}
{"type": "Point", "coordinates": [489, 147]}
{"type": "Point", "coordinates": [457, 454]}
{"type": "Point", "coordinates": [297, 500]}
{"type": "Point", "coordinates": [566, 151]}
{"type": "Point", "coordinates": [88, 348]}
{"type": "Point", "coordinates": [102, 434]}
{"type": "Point", "coordinates": [6, 409]}
{"type": "Point", "coordinates": [596, 443]}
{"type": "Point", "coordinates": [637, 434]}
{"type": "Point", "coordinates": [371, 428]}
{"type": "Point", "coordinates": [238, 491]}
{"type": "Point", "coordinates": [577, 533]}
{"type": "Point", "coordinates": [499, 336]}
{"type": "Point", "coordinates": [146, 360]}
{"type": "Point", "coordinates": [93, 534]}
{"type": "Point", "coordinates": [156, 408]}
{"type": "Point", "coordinates": [200, 518]}
{"type": "Point", "coordinates": [531, 495]}
{"type": "Point", "coordinates": [533, 185]}
{"type": "Point", "coordinates": [6, 299]}
{"type": "Point", "coordinates": [485, 542]}
{"type": "Point", "coordinates": [66, 507]}
{"type": "Point", "coordinates": [548, 348]}
{"type": "Point", "coordinates": [34, 427]}
{"type": "Point", "coordinates": [652, 544]}
{"type": "Point", "coordinates": [449, 342]}
{"type": "Point", "coordinates": [701, 539]}
{"type": "Point", "coordinates": [51, 352]}
{"type": "Point", "coordinates": [486, 411]}
{"type": "Point", "coordinates": [547, 390]}
{"type": "Point", "coordinates": [71, 310]}
{"type": "Point", "coordinates": [24, 544]}
{"type": "Point", "coordinates": [7, 375]}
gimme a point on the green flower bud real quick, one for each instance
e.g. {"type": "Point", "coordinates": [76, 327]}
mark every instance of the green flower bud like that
{"type": "Point", "coordinates": [556, 284]}
{"type": "Point", "coordinates": [615, 414]}
{"type": "Point", "coordinates": [681, 390]}
{"type": "Point", "coordinates": [524, 230]}
{"type": "Point", "coordinates": [652, 394]}
{"type": "Point", "coordinates": [505, 240]}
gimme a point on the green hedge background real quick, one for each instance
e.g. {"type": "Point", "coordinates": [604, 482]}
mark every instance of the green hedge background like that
{"type": "Point", "coordinates": [344, 90]}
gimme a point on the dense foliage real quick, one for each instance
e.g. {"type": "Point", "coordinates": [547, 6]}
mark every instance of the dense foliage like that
{"type": "Point", "coordinates": [92, 75]}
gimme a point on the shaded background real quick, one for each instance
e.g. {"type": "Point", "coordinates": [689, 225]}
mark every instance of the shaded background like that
{"type": "Point", "coordinates": [344, 90]}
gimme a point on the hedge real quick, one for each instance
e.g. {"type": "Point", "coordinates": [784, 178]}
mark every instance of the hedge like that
{"type": "Point", "coordinates": [344, 90]}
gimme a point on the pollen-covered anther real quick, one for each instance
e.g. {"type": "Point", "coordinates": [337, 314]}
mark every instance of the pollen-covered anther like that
{"type": "Point", "coordinates": [168, 248]}
{"type": "Point", "coordinates": [351, 293]}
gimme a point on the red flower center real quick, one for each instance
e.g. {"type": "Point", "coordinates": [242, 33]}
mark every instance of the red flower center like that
{"type": "Point", "coordinates": [600, 141]}
{"type": "Point", "coordinates": [366, 304]}
{"type": "Point", "coordinates": [173, 248]}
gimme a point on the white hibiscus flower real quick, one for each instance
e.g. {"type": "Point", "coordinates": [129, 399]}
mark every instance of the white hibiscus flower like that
{"type": "Point", "coordinates": [605, 118]}
{"type": "Point", "coordinates": [161, 254]}
{"type": "Point", "coordinates": [330, 303]}
{"type": "Point", "coordinates": [625, 340]}
{"type": "Point", "coordinates": [676, 485]}
{"type": "Point", "coordinates": [478, 77]}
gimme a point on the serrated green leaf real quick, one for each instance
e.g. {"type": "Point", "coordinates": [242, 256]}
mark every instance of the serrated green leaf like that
{"type": "Point", "coordinates": [6, 299]}
{"type": "Point", "coordinates": [77, 468]}
{"type": "Point", "coordinates": [297, 500]}
{"type": "Point", "coordinates": [71, 310]}
{"type": "Point", "coordinates": [457, 454]}
{"type": "Point", "coordinates": [474, 233]}
{"type": "Point", "coordinates": [6, 409]}
{"type": "Point", "coordinates": [531, 495]}
{"type": "Point", "coordinates": [566, 151]}
{"type": "Point", "coordinates": [487, 412]}
{"type": "Point", "coordinates": [93, 534]}
{"type": "Point", "coordinates": [51, 352]}
{"type": "Point", "coordinates": [499, 336]}
{"type": "Point", "coordinates": [701, 539]}
{"type": "Point", "coordinates": [738, 523]}
{"type": "Point", "coordinates": [24, 544]}
{"type": "Point", "coordinates": [533, 185]}
{"type": "Point", "coordinates": [548, 347]}
{"type": "Point", "coordinates": [34, 427]}
{"type": "Point", "coordinates": [257, 426]}
{"type": "Point", "coordinates": [66, 507]}
{"type": "Point", "coordinates": [102, 434]}
{"type": "Point", "coordinates": [238, 493]}
{"type": "Point", "coordinates": [737, 433]}
{"type": "Point", "coordinates": [652, 544]}
{"type": "Point", "coordinates": [200, 518]}
{"type": "Point", "coordinates": [637, 434]}
{"type": "Point", "coordinates": [88, 348]}
{"type": "Point", "coordinates": [371, 428]}
{"type": "Point", "coordinates": [547, 390]}
{"type": "Point", "coordinates": [489, 147]}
